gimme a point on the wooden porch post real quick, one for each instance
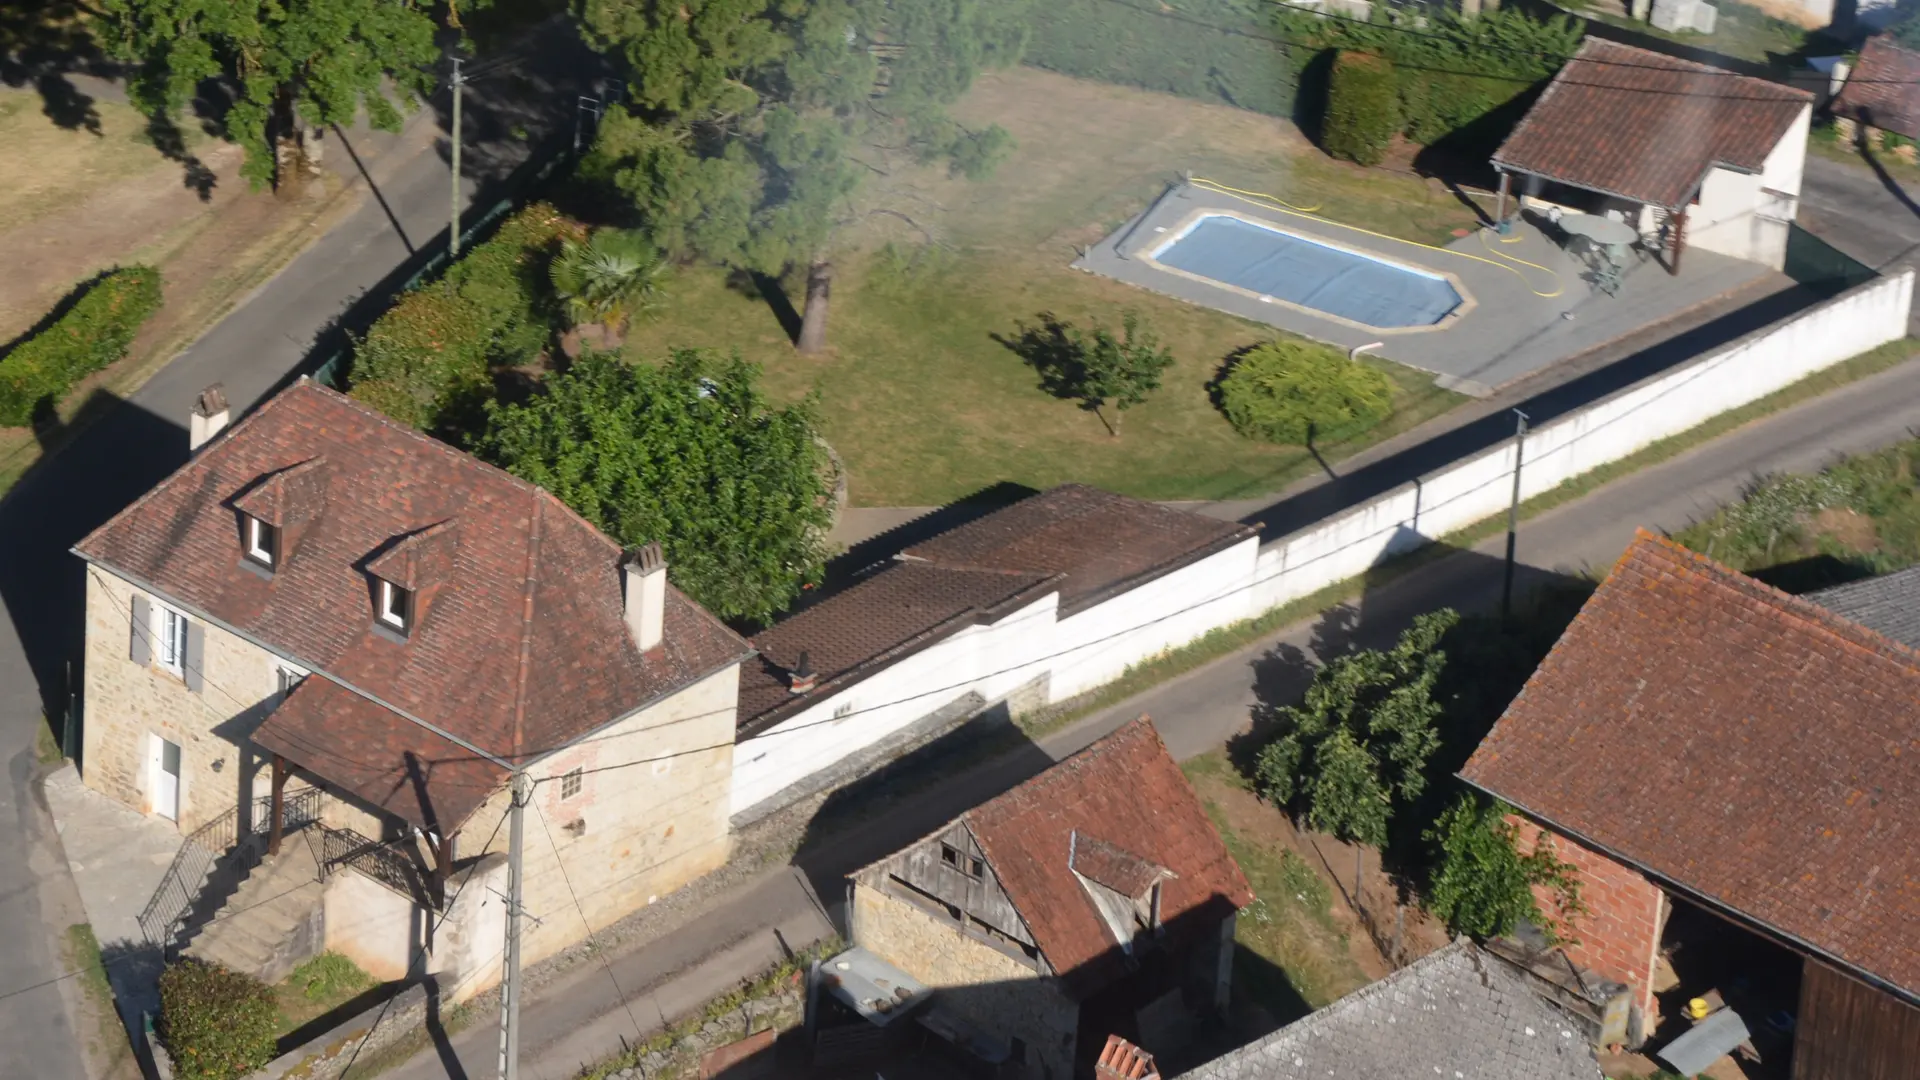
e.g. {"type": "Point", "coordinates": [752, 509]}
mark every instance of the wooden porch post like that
{"type": "Point", "coordinates": [1679, 241]}
{"type": "Point", "coordinates": [278, 803]}
{"type": "Point", "coordinates": [442, 866]}
{"type": "Point", "coordinates": [1500, 207]}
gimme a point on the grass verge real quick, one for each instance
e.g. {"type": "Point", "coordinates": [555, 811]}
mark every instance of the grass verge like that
{"type": "Point", "coordinates": [107, 1042]}
{"type": "Point", "coordinates": [317, 987]}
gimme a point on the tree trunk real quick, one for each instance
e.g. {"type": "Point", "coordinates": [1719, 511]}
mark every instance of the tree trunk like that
{"type": "Point", "coordinates": [813, 319]}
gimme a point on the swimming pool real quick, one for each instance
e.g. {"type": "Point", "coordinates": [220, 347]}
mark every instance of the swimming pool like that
{"type": "Point", "coordinates": [1360, 288]}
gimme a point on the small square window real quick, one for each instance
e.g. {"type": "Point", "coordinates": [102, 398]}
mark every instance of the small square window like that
{"type": "Point", "coordinates": [570, 784]}
{"type": "Point", "coordinates": [396, 606]}
{"type": "Point", "coordinates": [170, 639]}
{"type": "Point", "coordinates": [263, 542]}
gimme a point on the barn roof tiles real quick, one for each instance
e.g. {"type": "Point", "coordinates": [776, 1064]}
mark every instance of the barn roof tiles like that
{"type": "Point", "coordinates": [1751, 748]}
{"type": "Point", "coordinates": [1645, 126]}
{"type": "Point", "coordinates": [1883, 89]}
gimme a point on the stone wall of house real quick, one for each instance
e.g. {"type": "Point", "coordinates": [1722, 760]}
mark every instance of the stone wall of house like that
{"type": "Point", "coordinates": [375, 927]}
{"type": "Point", "coordinates": [127, 704]}
{"type": "Point", "coordinates": [1619, 934]}
{"type": "Point", "coordinates": [999, 995]}
{"type": "Point", "coordinates": [650, 816]}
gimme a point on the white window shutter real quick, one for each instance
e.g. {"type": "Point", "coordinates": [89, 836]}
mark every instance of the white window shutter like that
{"type": "Point", "coordinates": [190, 664]}
{"type": "Point", "coordinates": [141, 650]}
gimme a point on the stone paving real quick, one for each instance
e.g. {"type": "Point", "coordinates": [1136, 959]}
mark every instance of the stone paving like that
{"type": "Point", "coordinates": [1505, 331]}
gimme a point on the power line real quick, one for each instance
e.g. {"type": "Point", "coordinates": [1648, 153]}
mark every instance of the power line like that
{"type": "Point", "coordinates": [587, 924]}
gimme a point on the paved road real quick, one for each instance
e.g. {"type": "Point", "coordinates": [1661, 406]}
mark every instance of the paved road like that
{"type": "Point", "coordinates": [580, 1019]}
{"type": "Point", "coordinates": [1868, 214]}
{"type": "Point", "coordinates": [142, 439]}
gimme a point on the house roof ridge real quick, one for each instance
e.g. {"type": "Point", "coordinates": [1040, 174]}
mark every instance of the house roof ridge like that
{"type": "Point", "coordinates": [524, 675]}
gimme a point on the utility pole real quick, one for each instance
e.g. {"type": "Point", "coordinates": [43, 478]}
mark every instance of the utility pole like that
{"type": "Point", "coordinates": [453, 235]}
{"type": "Point", "coordinates": [1513, 513]}
{"type": "Point", "coordinates": [510, 988]}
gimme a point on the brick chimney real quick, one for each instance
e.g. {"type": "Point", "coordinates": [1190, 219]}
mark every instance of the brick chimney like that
{"type": "Point", "coordinates": [802, 678]}
{"type": "Point", "coordinates": [208, 418]}
{"type": "Point", "coordinates": [645, 578]}
{"type": "Point", "coordinates": [1121, 1060]}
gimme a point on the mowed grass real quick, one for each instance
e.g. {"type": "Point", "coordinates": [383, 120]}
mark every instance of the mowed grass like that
{"type": "Point", "coordinates": [923, 401]}
{"type": "Point", "coordinates": [46, 167]}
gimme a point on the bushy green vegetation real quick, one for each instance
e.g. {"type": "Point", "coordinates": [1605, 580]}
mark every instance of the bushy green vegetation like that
{"type": "Point", "coordinates": [429, 361]}
{"type": "Point", "coordinates": [1363, 108]}
{"type": "Point", "coordinates": [688, 454]}
{"type": "Point", "coordinates": [1212, 50]}
{"type": "Point", "coordinates": [93, 333]}
{"type": "Point", "coordinates": [1804, 531]}
{"type": "Point", "coordinates": [1303, 393]}
{"type": "Point", "coordinates": [1453, 72]}
{"type": "Point", "coordinates": [1107, 373]}
{"type": "Point", "coordinates": [216, 1024]}
{"type": "Point", "coordinates": [1482, 885]}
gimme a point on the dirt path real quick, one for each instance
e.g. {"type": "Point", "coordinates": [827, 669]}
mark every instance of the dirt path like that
{"type": "Point", "coordinates": [142, 218]}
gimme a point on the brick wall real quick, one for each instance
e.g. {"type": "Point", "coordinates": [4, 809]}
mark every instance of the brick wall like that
{"type": "Point", "coordinates": [1619, 934]}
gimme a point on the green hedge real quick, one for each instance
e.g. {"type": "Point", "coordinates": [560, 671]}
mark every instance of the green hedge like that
{"type": "Point", "coordinates": [1363, 109]}
{"type": "Point", "coordinates": [429, 360]}
{"type": "Point", "coordinates": [1303, 393]}
{"type": "Point", "coordinates": [1213, 50]}
{"type": "Point", "coordinates": [93, 333]}
{"type": "Point", "coordinates": [216, 1024]}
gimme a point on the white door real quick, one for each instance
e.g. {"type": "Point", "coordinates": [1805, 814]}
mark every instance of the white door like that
{"type": "Point", "coordinates": [166, 779]}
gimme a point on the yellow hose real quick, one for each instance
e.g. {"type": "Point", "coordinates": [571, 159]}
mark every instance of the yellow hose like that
{"type": "Point", "coordinates": [1270, 202]}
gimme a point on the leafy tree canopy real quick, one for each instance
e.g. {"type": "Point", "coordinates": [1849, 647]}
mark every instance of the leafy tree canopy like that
{"type": "Point", "coordinates": [689, 454]}
{"type": "Point", "coordinates": [1358, 744]}
{"type": "Point", "coordinates": [1098, 369]}
{"type": "Point", "coordinates": [744, 137]}
{"type": "Point", "coordinates": [319, 61]}
{"type": "Point", "coordinates": [1482, 885]}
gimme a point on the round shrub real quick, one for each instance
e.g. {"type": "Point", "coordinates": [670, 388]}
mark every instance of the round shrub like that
{"type": "Point", "coordinates": [1296, 392]}
{"type": "Point", "coordinates": [216, 1024]}
{"type": "Point", "coordinates": [1363, 108]}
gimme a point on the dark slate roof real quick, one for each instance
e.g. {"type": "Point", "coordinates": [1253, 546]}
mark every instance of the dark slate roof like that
{"type": "Point", "coordinates": [1124, 791]}
{"type": "Point", "coordinates": [1888, 604]}
{"type": "Point", "coordinates": [1883, 89]}
{"type": "Point", "coordinates": [1752, 748]}
{"type": "Point", "coordinates": [522, 647]}
{"type": "Point", "coordinates": [1082, 542]}
{"type": "Point", "coordinates": [1647, 127]}
{"type": "Point", "coordinates": [1458, 1012]}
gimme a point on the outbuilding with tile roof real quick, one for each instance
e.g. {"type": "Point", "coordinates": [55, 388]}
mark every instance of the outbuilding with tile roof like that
{"type": "Point", "coordinates": [1690, 155]}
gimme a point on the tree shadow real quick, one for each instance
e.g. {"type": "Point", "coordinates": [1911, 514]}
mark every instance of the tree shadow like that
{"type": "Point", "coordinates": [167, 138]}
{"type": "Point", "coordinates": [1053, 351]}
{"type": "Point", "coordinates": [43, 43]}
{"type": "Point", "coordinates": [1864, 146]}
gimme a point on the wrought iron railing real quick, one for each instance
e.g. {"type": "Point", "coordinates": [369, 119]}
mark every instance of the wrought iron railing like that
{"type": "Point", "coordinates": [395, 864]}
{"type": "Point", "coordinates": [223, 839]}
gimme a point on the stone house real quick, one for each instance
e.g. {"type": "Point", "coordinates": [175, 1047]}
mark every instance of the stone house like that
{"type": "Point", "coordinates": [1698, 742]}
{"type": "Point", "coordinates": [1093, 899]}
{"type": "Point", "coordinates": [329, 622]}
{"type": "Point", "coordinates": [1026, 606]}
{"type": "Point", "coordinates": [1881, 95]}
{"type": "Point", "coordinates": [1457, 1012]}
{"type": "Point", "coordinates": [1690, 155]}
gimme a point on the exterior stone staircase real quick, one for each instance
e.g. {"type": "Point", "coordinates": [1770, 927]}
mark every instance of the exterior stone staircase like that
{"type": "Point", "coordinates": [273, 920]}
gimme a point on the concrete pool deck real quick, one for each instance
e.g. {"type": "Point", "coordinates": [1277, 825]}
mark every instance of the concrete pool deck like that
{"type": "Point", "coordinates": [1504, 332]}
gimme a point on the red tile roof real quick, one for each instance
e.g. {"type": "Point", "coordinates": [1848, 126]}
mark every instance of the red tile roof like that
{"type": "Point", "coordinates": [1647, 127]}
{"type": "Point", "coordinates": [1082, 542]}
{"type": "Point", "coordinates": [1753, 749]}
{"type": "Point", "coordinates": [1883, 89]}
{"type": "Point", "coordinates": [522, 649]}
{"type": "Point", "coordinates": [1125, 791]}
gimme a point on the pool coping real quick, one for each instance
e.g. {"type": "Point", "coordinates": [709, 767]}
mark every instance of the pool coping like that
{"type": "Point", "coordinates": [1192, 218]}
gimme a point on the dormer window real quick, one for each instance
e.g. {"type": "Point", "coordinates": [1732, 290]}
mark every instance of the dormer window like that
{"type": "Point", "coordinates": [263, 542]}
{"type": "Point", "coordinates": [395, 606]}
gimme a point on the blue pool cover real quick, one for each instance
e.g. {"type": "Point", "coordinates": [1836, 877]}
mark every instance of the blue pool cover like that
{"type": "Point", "coordinates": [1292, 268]}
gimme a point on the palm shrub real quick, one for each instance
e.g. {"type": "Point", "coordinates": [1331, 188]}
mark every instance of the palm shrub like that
{"type": "Point", "coordinates": [94, 333]}
{"type": "Point", "coordinates": [1363, 108]}
{"type": "Point", "coordinates": [610, 277]}
{"type": "Point", "coordinates": [216, 1024]}
{"type": "Point", "coordinates": [1299, 392]}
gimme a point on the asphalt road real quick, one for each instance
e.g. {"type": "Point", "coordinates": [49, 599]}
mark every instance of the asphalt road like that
{"type": "Point", "coordinates": [580, 1018]}
{"type": "Point", "coordinates": [1866, 213]}
{"type": "Point", "coordinates": [343, 275]}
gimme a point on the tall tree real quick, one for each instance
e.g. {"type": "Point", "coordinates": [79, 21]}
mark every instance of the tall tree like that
{"type": "Point", "coordinates": [745, 137]}
{"type": "Point", "coordinates": [689, 454]}
{"type": "Point", "coordinates": [297, 64]}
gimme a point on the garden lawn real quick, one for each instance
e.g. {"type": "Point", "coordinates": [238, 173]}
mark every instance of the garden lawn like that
{"type": "Point", "coordinates": [317, 987]}
{"type": "Point", "coordinates": [926, 405]}
{"type": "Point", "coordinates": [1290, 944]}
{"type": "Point", "coordinates": [47, 166]}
